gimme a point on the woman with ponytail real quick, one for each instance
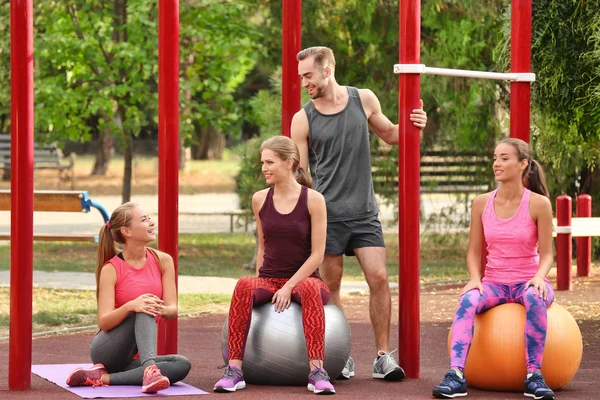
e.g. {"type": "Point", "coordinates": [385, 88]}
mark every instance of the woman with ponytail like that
{"type": "Point", "coordinates": [291, 223]}
{"type": "Point", "coordinates": [134, 287]}
{"type": "Point", "coordinates": [516, 222]}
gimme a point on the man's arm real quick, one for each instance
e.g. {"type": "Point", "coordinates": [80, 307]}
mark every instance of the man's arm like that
{"type": "Point", "coordinates": [381, 125]}
{"type": "Point", "coordinates": [299, 133]}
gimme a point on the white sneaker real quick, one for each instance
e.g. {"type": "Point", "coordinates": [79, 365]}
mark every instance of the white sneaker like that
{"type": "Point", "coordinates": [348, 370]}
{"type": "Point", "coordinates": [385, 367]}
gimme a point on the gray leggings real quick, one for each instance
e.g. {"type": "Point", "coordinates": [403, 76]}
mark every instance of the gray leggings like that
{"type": "Point", "coordinates": [117, 347]}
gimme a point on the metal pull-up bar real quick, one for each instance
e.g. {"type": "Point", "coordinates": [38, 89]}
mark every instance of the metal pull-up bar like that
{"type": "Point", "coordinates": [423, 69]}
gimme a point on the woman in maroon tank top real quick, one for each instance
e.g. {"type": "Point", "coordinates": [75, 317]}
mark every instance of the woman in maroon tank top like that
{"type": "Point", "coordinates": [291, 222]}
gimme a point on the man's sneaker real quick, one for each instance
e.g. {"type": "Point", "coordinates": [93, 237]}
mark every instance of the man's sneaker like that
{"type": "Point", "coordinates": [232, 380]}
{"type": "Point", "coordinates": [452, 386]}
{"type": "Point", "coordinates": [91, 376]}
{"type": "Point", "coordinates": [385, 367]}
{"type": "Point", "coordinates": [348, 370]}
{"type": "Point", "coordinates": [318, 382]}
{"type": "Point", "coordinates": [536, 387]}
{"type": "Point", "coordinates": [153, 380]}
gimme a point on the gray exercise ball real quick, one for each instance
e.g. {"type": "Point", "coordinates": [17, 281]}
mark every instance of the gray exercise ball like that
{"type": "Point", "coordinates": [276, 348]}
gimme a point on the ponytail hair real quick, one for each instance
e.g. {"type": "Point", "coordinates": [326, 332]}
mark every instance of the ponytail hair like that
{"type": "Point", "coordinates": [286, 149]}
{"type": "Point", "coordinates": [110, 234]}
{"type": "Point", "coordinates": [533, 176]}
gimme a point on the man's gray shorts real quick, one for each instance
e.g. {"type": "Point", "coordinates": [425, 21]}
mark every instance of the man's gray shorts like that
{"type": "Point", "coordinates": [345, 236]}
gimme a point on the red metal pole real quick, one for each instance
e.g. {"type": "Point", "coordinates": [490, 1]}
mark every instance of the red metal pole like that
{"type": "Point", "coordinates": [520, 61]}
{"type": "Point", "coordinates": [409, 171]}
{"type": "Point", "coordinates": [168, 150]}
{"type": "Point", "coordinates": [564, 247]}
{"type": "Point", "coordinates": [292, 42]}
{"type": "Point", "coordinates": [21, 225]}
{"type": "Point", "coordinates": [584, 244]}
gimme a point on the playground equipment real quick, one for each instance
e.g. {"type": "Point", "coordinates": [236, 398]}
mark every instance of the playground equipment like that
{"type": "Point", "coordinates": [496, 360]}
{"type": "Point", "coordinates": [276, 348]}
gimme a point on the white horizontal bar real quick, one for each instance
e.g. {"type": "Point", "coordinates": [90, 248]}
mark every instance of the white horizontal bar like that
{"type": "Point", "coordinates": [423, 69]}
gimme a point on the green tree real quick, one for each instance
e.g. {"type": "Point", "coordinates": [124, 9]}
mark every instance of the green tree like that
{"type": "Point", "coordinates": [96, 70]}
{"type": "Point", "coordinates": [565, 96]}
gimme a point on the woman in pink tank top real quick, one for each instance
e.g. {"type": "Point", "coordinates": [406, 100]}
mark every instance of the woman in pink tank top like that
{"type": "Point", "coordinates": [516, 222]}
{"type": "Point", "coordinates": [134, 287]}
{"type": "Point", "coordinates": [291, 225]}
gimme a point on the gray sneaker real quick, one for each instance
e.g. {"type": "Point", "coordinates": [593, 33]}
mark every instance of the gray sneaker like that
{"type": "Point", "coordinates": [385, 367]}
{"type": "Point", "coordinates": [348, 370]}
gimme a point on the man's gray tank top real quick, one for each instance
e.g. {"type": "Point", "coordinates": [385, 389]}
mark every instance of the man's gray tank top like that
{"type": "Point", "coordinates": [340, 160]}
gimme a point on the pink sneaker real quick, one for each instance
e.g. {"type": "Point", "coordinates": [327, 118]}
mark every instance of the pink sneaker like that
{"type": "Point", "coordinates": [318, 382]}
{"type": "Point", "coordinates": [154, 380]}
{"type": "Point", "coordinates": [91, 376]}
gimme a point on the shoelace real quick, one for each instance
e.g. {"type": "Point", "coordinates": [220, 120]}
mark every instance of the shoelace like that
{"type": "Point", "coordinates": [388, 356]}
{"type": "Point", "coordinates": [448, 379]}
{"type": "Point", "coordinates": [539, 381]}
{"type": "Point", "coordinates": [319, 373]}
{"type": "Point", "coordinates": [93, 382]}
{"type": "Point", "coordinates": [153, 372]}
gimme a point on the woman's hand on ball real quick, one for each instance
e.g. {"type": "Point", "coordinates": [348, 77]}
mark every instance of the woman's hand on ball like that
{"type": "Point", "coordinates": [473, 284]}
{"type": "Point", "coordinates": [282, 299]}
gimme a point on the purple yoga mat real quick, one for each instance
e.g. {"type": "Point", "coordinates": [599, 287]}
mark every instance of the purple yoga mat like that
{"type": "Point", "coordinates": [58, 373]}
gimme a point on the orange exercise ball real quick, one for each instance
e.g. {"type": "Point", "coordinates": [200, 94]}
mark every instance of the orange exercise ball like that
{"type": "Point", "coordinates": [496, 360]}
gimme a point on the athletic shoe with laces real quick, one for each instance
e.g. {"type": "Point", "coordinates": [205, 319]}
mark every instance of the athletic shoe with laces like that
{"type": "Point", "coordinates": [385, 367]}
{"type": "Point", "coordinates": [318, 382]}
{"type": "Point", "coordinates": [451, 386]}
{"type": "Point", "coordinates": [348, 370]}
{"type": "Point", "coordinates": [232, 380]}
{"type": "Point", "coordinates": [91, 376]}
{"type": "Point", "coordinates": [535, 386]}
{"type": "Point", "coordinates": [153, 380]}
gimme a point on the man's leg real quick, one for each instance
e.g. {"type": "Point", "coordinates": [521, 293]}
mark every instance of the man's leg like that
{"type": "Point", "coordinates": [373, 263]}
{"type": "Point", "coordinates": [331, 271]}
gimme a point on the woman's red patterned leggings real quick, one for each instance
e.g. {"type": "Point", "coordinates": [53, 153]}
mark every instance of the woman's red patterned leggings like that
{"type": "Point", "coordinates": [311, 293]}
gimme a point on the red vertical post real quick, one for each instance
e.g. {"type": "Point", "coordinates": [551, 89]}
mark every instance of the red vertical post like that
{"type": "Point", "coordinates": [409, 171]}
{"type": "Point", "coordinates": [564, 247]}
{"type": "Point", "coordinates": [21, 225]}
{"type": "Point", "coordinates": [520, 61]}
{"type": "Point", "coordinates": [484, 254]}
{"type": "Point", "coordinates": [292, 42]}
{"type": "Point", "coordinates": [168, 150]}
{"type": "Point", "coordinates": [584, 244]}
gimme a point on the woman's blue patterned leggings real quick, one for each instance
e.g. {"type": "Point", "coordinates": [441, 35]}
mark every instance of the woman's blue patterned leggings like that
{"type": "Point", "coordinates": [495, 294]}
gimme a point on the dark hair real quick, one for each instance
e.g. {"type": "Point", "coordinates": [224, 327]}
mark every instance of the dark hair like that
{"type": "Point", "coordinates": [534, 178]}
{"type": "Point", "coordinates": [323, 56]}
{"type": "Point", "coordinates": [285, 148]}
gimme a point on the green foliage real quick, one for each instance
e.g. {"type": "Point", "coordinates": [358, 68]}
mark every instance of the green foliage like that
{"type": "Point", "coordinates": [565, 96]}
{"type": "Point", "coordinates": [266, 113]}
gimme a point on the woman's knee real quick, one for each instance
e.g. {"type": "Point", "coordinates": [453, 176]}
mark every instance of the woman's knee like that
{"type": "Point", "coordinates": [245, 283]}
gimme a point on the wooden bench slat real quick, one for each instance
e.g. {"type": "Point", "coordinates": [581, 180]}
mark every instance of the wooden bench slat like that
{"type": "Point", "coordinates": [67, 201]}
{"type": "Point", "coordinates": [58, 238]}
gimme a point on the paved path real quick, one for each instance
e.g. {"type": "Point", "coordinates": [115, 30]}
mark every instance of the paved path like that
{"type": "Point", "coordinates": [187, 284]}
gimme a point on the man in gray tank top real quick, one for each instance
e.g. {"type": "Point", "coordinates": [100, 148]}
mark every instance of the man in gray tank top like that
{"type": "Point", "coordinates": [332, 134]}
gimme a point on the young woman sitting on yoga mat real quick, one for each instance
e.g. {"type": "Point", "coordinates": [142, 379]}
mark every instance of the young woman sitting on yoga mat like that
{"type": "Point", "coordinates": [135, 287]}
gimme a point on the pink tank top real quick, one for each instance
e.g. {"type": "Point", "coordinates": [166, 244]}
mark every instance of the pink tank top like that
{"type": "Point", "coordinates": [133, 282]}
{"type": "Point", "coordinates": [512, 244]}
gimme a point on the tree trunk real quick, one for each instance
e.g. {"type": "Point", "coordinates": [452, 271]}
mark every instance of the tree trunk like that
{"type": "Point", "coordinates": [103, 153]}
{"type": "Point", "coordinates": [210, 146]}
{"type": "Point", "coordinates": [127, 172]}
{"type": "Point", "coordinates": [184, 155]}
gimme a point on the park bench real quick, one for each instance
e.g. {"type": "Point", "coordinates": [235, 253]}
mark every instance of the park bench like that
{"type": "Point", "coordinates": [442, 171]}
{"type": "Point", "coordinates": [46, 156]}
{"type": "Point", "coordinates": [58, 201]}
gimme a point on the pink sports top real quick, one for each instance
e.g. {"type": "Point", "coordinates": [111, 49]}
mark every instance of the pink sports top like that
{"type": "Point", "coordinates": [512, 243]}
{"type": "Point", "coordinates": [134, 282]}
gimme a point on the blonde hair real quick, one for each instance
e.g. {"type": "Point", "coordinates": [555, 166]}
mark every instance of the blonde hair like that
{"type": "Point", "coordinates": [285, 148]}
{"type": "Point", "coordinates": [323, 56]}
{"type": "Point", "coordinates": [110, 234]}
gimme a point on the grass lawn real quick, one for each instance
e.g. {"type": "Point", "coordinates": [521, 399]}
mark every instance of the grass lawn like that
{"type": "Point", "coordinates": [442, 257]}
